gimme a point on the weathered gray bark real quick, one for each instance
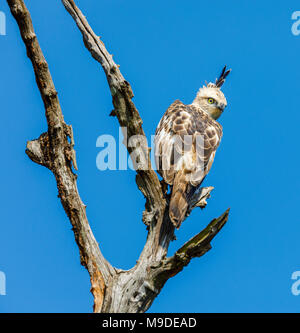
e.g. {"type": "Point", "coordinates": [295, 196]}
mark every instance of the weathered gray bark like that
{"type": "Point", "coordinates": [114, 290]}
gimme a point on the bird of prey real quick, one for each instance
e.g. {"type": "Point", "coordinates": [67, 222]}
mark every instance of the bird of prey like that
{"type": "Point", "coordinates": [186, 141]}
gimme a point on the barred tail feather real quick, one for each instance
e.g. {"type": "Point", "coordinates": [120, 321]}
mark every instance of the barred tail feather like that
{"type": "Point", "coordinates": [178, 203]}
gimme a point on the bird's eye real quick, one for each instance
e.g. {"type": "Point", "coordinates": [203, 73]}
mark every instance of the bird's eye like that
{"type": "Point", "coordinates": [211, 101]}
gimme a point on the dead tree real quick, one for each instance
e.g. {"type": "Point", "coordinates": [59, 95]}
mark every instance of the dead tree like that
{"type": "Point", "coordinates": [114, 290]}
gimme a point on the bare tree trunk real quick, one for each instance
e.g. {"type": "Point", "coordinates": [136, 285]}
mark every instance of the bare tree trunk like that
{"type": "Point", "coordinates": [114, 290]}
{"type": "Point", "coordinates": [134, 291]}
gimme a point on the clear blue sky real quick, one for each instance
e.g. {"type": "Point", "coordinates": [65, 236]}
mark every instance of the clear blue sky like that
{"type": "Point", "coordinates": [166, 49]}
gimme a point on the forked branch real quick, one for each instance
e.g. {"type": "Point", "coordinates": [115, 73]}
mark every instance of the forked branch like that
{"type": "Point", "coordinates": [114, 290]}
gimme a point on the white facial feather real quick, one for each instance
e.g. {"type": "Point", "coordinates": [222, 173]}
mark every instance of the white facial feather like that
{"type": "Point", "coordinates": [207, 92]}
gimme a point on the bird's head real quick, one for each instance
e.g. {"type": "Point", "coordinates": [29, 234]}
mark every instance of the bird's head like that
{"type": "Point", "coordinates": [210, 97]}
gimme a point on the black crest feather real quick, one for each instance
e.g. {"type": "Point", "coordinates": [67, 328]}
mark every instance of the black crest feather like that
{"type": "Point", "coordinates": [222, 77]}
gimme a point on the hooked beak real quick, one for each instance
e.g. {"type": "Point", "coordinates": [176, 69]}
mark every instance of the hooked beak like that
{"type": "Point", "coordinates": [221, 107]}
